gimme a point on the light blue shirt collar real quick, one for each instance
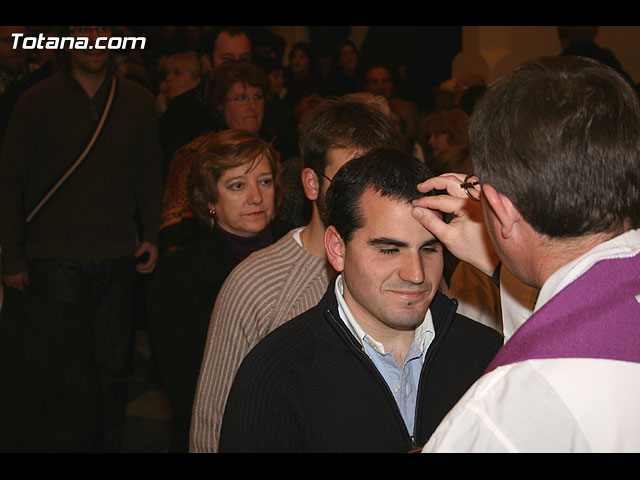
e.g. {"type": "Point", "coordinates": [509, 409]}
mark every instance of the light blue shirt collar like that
{"type": "Point", "coordinates": [423, 335]}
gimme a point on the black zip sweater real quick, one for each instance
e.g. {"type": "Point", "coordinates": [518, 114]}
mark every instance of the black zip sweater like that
{"type": "Point", "coordinates": [309, 387]}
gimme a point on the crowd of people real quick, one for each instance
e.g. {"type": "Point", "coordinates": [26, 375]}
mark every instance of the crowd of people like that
{"type": "Point", "coordinates": [322, 265]}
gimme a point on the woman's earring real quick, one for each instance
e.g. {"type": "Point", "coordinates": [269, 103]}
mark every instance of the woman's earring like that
{"type": "Point", "coordinates": [212, 212]}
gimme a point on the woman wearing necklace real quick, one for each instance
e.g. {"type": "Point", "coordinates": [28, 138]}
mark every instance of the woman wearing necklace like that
{"type": "Point", "coordinates": [234, 191]}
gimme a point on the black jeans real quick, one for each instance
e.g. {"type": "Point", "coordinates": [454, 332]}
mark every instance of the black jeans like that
{"type": "Point", "coordinates": [103, 290]}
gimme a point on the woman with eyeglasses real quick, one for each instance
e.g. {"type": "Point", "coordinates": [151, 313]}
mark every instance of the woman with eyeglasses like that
{"type": "Point", "coordinates": [237, 96]}
{"type": "Point", "coordinates": [237, 101]}
{"type": "Point", "coordinates": [234, 191]}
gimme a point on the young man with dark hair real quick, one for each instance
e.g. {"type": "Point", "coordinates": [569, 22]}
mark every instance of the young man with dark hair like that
{"type": "Point", "coordinates": [383, 356]}
{"type": "Point", "coordinates": [556, 150]}
{"type": "Point", "coordinates": [283, 280]}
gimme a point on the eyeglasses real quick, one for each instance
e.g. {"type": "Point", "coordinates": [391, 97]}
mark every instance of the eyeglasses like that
{"type": "Point", "coordinates": [87, 30]}
{"type": "Point", "coordinates": [246, 99]}
{"type": "Point", "coordinates": [330, 179]}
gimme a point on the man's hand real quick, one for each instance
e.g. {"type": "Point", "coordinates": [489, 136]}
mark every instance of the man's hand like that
{"type": "Point", "coordinates": [149, 264]}
{"type": "Point", "coordinates": [465, 236]}
{"type": "Point", "coordinates": [18, 280]}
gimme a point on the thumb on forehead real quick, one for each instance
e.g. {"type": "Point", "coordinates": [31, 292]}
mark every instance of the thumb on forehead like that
{"type": "Point", "coordinates": [429, 219]}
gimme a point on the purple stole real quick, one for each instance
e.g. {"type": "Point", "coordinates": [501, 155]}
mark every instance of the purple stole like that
{"type": "Point", "coordinates": [596, 316]}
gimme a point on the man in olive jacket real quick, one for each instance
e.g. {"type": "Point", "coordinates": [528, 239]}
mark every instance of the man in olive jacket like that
{"type": "Point", "coordinates": [81, 246]}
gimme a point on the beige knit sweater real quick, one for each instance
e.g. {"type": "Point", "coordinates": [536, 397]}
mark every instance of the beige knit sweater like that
{"type": "Point", "coordinates": [263, 292]}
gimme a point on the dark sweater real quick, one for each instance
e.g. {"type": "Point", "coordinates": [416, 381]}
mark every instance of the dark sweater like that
{"type": "Point", "coordinates": [93, 215]}
{"type": "Point", "coordinates": [309, 387]}
{"type": "Point", "coordinates": [185, 287]}
{"type": "Point", "coordinates": [185, 119]}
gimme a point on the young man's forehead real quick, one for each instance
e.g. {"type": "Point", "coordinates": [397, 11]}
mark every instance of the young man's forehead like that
{"type": "Point", "coordinates": [389, 218]}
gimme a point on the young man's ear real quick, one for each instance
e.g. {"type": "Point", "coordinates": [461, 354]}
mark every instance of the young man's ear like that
{"type": "Point", "coordinates": [335, 248]}
{"type": "Point", "coordinates": [503, 210]}
{"type": "Point", "coordinates": [310, 184]}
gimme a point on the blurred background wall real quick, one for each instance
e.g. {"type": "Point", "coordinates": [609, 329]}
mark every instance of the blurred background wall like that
{"type": "Point", "coordinates": [496, 50]}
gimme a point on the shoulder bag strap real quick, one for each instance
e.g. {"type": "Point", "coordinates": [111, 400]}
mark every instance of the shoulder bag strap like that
{"type": "Point", "coordinates": [77, 163]}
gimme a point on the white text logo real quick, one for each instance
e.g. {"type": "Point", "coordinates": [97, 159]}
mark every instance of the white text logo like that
{"type": "Point", "coordinates": [78, 43]}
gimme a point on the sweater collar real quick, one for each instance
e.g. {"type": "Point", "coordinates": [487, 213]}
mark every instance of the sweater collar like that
{"type": "Point", "coordinates": [242, 247]}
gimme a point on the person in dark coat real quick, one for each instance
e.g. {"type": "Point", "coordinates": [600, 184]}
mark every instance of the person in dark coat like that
{"type": "Point", "coordinates": [186, 116]}
{"type": "Point", "coordinates": [346, 74]}
{"type": "Point", "coordinates": [303, 76]}
{"type": "Point", "coordinates": [580, 41]}
{"type": "Point", "coordinates": [234, 192]}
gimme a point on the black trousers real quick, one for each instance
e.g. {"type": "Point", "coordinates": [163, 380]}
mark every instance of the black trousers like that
{"type": "Point", "coordinates": [103, 290]}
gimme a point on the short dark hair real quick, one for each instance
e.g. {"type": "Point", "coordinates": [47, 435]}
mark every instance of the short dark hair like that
{"type": "Point", "coordinates": [560, 136]}
{"type": "Point", "coordinates": [371, 65]}
{"type": "Point", "coordinates": [232, 31]}
{"type": "Point", "coordinates": [387, 171]}
{"type": "Point", "coordinates": [338, 50]}
{"type": "Point", "coordinates": [268, 64]}
{"type": "Point", "coordinates": [305, 48]}
{"type": "Point", "coordinates": [345, 122]}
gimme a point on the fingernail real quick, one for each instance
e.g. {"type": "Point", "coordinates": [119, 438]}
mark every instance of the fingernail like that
{"type": "Point", "coordinates": [417, 212]}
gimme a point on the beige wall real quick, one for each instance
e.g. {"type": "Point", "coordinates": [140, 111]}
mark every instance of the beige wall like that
{"type": "Point", "coordinates": [494, 51]}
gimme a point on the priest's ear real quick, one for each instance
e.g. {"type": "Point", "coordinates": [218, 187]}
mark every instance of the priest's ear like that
{"type": "Point", "coordinates": [502, 209]}
{"type": "Point", "coordinates": [335, 248]}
